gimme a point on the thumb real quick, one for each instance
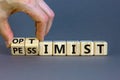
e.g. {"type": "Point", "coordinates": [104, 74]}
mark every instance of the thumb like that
{"type": "Point", "coordinates": [6, 32]}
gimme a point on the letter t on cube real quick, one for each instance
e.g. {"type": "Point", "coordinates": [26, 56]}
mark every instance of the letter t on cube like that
{"type": "Point", "coordinates": [101, 48]}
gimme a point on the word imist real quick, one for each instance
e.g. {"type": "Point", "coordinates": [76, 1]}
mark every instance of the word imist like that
{"type": "Point", "coordinates": [32, 46]}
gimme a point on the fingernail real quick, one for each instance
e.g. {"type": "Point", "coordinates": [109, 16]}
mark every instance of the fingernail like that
{"type": "Point", "coordinates": [8, 44]}
{"type": "Point", "coordinates": [40, 38]}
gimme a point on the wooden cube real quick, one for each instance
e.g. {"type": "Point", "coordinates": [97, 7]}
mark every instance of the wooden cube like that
{"type": "Point", "coordinates": [100, 48]}
{"type": "Point", "coordinates": [17, 46]}
{"type": "Point", "coordinates": [45, 48]}
{"type": "Point", "coordinates": [59, 48]}
{"type": "Point", "coordinates": [87, 48]}
{"type": "Point", "coordinates": [73, 48]}
{"type": "Point", "coordinates": [31, 46]}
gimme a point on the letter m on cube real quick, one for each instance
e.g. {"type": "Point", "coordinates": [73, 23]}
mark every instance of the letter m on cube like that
{"type": "Point", "coordinates": [59, 48]}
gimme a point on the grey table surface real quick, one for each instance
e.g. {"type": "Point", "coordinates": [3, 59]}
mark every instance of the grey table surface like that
{"type": "Point", "coordinates": [75, 20]}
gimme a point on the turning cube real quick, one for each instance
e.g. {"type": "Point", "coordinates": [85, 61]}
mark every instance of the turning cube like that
{"type": "Point", "coordinates": [31, 46]}
{"type": "Point", "coordinates": [100, 48]}
{"type": "Point", "coordinates": [73, 48]}
{"type": "Point", "coordinates": [45, 48]}
{"type": "Point", "coordinates": [17, 46]}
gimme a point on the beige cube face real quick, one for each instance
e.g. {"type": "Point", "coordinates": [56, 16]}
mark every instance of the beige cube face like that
{"type": "Point", "coordinates": [45, 48]}
{"type": "Point", "coordinates": [17, 46]}
{"type": "Point", "coordinates": [73, 48]}
{"type": "Point", "coordinates": [100, 48]}
{"type": "Point", "coordinates": [87, 48]}
{"type": "Point", "coordinates": [32, 46]}
{"type": "Point", "coordinates": [59, 48]}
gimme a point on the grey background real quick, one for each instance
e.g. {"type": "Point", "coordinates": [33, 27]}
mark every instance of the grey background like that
{"type": "Point", "coordinates": [75, 20]}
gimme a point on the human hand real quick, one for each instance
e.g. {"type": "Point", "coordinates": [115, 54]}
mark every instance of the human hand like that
{"type": "Point", "coordinates": [37, 9]}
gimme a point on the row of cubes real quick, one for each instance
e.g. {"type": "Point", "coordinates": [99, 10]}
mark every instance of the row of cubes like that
{"type": "Point", "coordinates": [32, 46]}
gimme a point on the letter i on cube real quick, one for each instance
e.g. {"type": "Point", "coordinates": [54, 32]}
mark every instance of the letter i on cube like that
{"type": "Point", "coordinates": [45, 48]}
{"type": "Point", "coordinates": [73, 48]}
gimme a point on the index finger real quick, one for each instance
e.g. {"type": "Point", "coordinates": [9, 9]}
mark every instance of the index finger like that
{"type": "Point", "coordinates": [40, 19]}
